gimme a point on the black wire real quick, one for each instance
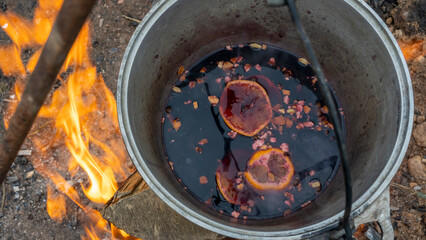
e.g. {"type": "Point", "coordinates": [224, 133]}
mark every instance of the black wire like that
{"type": "Point", "coordinates": [334, 114]}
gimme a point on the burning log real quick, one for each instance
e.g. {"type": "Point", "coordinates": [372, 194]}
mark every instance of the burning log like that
{"type": "Point", "coordinates": [136, 209]}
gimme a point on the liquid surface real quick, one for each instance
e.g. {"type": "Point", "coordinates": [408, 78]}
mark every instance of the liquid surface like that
{"type": "Point", "coordinates": [210, 159]}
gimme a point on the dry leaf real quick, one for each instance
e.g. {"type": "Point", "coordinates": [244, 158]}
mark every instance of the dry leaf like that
{"type": "Point", "coordinates": [176, 89]}
{"type": "Point", "coordinates": [203, 70]}
{"type": "Point", "coordinates": [192, 84]}
{"type": "Point", "coordinates": [213, 100]}
{"type": "Point", "coordinates": [286, 92]}
{"type": "Point", "coordinates": [120, 1]}
{"type": "Point", "coordinates": [176, 124]}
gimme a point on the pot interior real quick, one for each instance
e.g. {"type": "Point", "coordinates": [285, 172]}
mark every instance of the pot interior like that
{"type": "Point", "coordinates": [355, 59]}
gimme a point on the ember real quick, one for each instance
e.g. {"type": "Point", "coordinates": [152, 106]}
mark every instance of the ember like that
{"type": "Point", "coordinates": [75, 138]}
{"type": "Point", "coordinates": [269, 128]}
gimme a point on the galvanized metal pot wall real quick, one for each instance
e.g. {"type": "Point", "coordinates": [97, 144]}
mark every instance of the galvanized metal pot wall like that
{"type": "Point", "coordinates": [360, 57]}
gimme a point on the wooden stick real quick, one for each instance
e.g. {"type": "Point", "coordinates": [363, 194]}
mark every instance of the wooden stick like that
{"type": "Point", "coordinates": [68, 23]}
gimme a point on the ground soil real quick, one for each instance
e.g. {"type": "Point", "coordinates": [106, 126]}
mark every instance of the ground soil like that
{"type": "Point", "coordinates": [24, 214]}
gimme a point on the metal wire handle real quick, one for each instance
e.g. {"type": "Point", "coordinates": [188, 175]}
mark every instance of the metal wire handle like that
{"type": "Point", "coordinates": [329, 102]}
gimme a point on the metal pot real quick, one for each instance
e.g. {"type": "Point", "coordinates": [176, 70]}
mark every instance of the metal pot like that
{"type": "Point", "coordinates": [360, 58]}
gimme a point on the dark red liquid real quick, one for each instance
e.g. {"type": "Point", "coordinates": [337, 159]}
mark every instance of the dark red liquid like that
{"type": "Point", "coordinates": [200, 145]}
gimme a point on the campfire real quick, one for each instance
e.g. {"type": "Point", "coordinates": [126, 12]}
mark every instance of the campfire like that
{"type": "Point", "coordinates": [75, 142]}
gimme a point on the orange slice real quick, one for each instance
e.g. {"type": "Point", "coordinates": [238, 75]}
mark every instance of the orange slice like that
{"type": "Point", "coordinates": [245, 107]}
{"type": "Point", "coordinates": [269, 169]}
{"type": "Point", "coordinates": [227, 188]}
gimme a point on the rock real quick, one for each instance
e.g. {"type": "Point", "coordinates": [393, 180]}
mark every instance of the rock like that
{"type": "Point", "coordinates": [416, 168]}
{"type": "Point", "coordinates": [419, 134]}
{"type": "Point", "coordinates": [398, 33]}
{"type": "Point", "coordinates": [420, 119]}
{"type": "Point", "coordinates": [113, 50]}
{"type": "Point", "coordinates": [12, 179]}
{"type": "Point", "coordinates": [29, 174]}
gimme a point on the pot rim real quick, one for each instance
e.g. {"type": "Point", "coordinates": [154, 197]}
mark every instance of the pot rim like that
{"type": "Point", "coordinates": [395, 159]}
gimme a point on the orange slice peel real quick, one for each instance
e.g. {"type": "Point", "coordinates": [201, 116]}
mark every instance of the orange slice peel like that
{"type": "Point", "coordinates": [245, 107]}
{"type": "Point", "coordinates": [269, 169]}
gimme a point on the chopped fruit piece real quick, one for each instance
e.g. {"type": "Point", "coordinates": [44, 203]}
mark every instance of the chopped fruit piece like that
{"type": "Point", "coordinates": [220, 64]}
{"type": "Point", "coordinates": [180, 71]}
{"type": "Point", "coordinates": [255, 46]}
{"type": "Point", "coordinates": [203, 180]}
{"type": "Point", "coordinates": [232, 134]}
{"type": "Point", "coordinates": [227, 66]}
{"type": "Point", "coordinates": [258, 67]}
{"type": "Point", "coordinates": [176, 89]}
{"type": "Point", "coordinates": [203, 141]}
{"type": "Point", "coordinates": [284, 147]}
{"type": "Point", "coordinates": [247, 67]}
{"type": "Point", "coordinates": [213, 100]}
{"type": "Point", "coordinates": [176, 124]}
{"type": "Point", "coordinates": [245, 107]}
{"type": "Point", "coordinates": [272, 61]}
{"type": "Point", "coordinates": [195, 105]}
{"type": "Point", "coordinates": [324, 109]}
{"type": "Point", "coordinates": [280, 120]}
{"type": "Point", "coordinates": [303, 62]}
{"type": "Point", "coordinates": [269, 170]}
{"type": "Point", "coordinates": [199, 150]}
{"type": "Point", "coordinates": [306, 109]}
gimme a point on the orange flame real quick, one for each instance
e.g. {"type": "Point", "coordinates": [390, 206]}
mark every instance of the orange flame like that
{"type": "Point", "coordinates": [56, 207]}
{"type": "Point", "coordinates": [76, 128]}
{"type": "Point", "coordinates": [413, 49]}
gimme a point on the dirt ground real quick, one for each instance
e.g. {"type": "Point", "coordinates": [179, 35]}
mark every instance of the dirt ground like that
{"type": "Point", "coordinates": [24, 214]}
